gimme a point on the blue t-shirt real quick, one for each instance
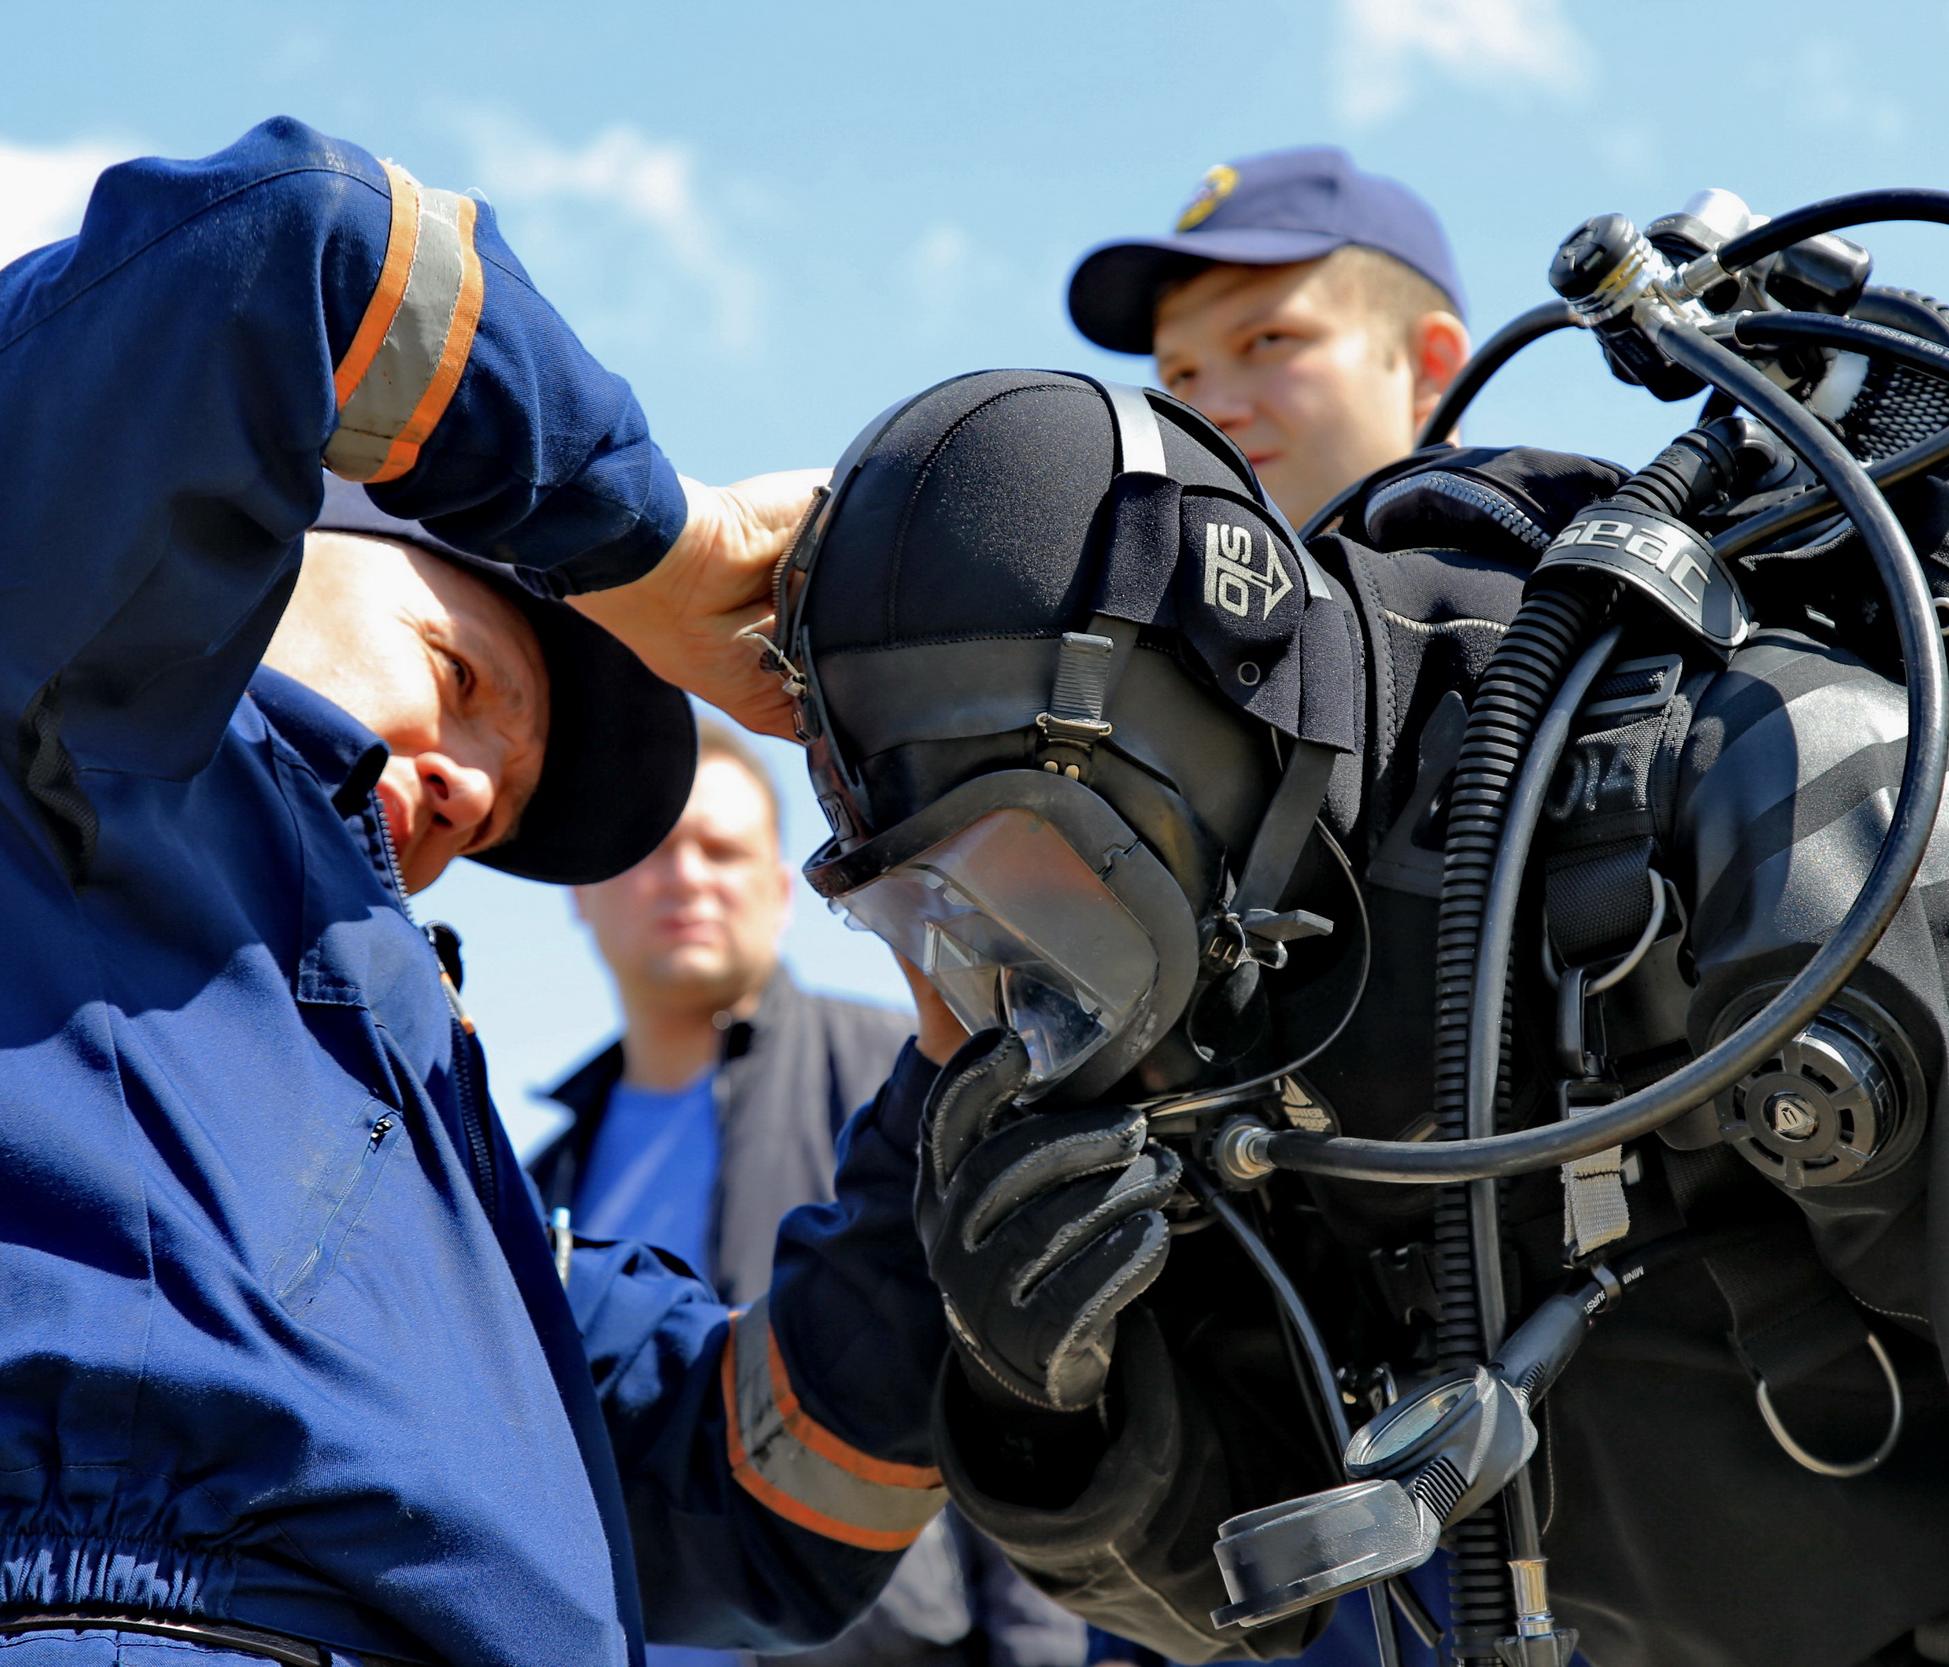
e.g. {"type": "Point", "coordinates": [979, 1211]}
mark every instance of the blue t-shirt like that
{"type": "Point", "coordinates": [652, 1175]}
{"type": "Point", "coordinates": [652, 1172]}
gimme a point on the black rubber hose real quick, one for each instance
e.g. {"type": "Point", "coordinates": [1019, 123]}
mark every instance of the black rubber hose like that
{"type": "Point", "coordinates": [1489, 1001]}
{"type": "Point", "coordinates": [1873, 910]}
{"type": "Point", "coordinates": [1522, 677]}
{"type": "Point", "coordinates": [1833, 214]}
{"type": "Point", "coordinates": [1489, 358]}
{"type": "Point", "coordinates": [1775, 523]}
{"type": "Point", "coordinates": [1319, 1363]}
{"type": "Point", "coordinates": [1850, 335]}
{"type": "Point", "coordinates": [1472, 950]}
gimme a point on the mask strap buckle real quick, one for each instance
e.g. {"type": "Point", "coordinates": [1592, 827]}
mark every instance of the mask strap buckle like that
{"type": "Point", "coordinates": [1074, 722]}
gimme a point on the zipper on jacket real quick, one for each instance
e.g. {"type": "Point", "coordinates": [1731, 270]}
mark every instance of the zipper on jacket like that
{"type": "Point", "coordinates": [466, 1066]}
{"type": "Point", "coordinates": [480, 1150]}
{"type": "Point", "coordinates": [392, 859]}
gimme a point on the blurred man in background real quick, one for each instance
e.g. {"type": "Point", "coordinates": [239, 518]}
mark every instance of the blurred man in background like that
{"type": "Point", "coordinates": [1311, 310]}
{"type": "Point", "coordinates": [715, 1113]}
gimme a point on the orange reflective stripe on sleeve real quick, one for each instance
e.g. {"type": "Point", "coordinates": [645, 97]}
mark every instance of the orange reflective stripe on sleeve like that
{"type": "Point", "coordinates": [400, 373]}
{"type": "Point", "coordinates": [804, 1472]}
{"type": "Point", "coordinates": [401, 241]}
{"type": "Point", "coordinates": [461, 325]}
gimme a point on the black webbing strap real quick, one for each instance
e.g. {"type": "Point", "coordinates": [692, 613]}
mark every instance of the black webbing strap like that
{"type": "Point", "coordinates": [1790, 1318]}
{"type": "Point", "coordinates": [1288, 824]}
{"type": "Point", "coordinates": [1598, 899]}
{"type": "Point", "coordinates": [1091, 663]}
{"type": "Point", "coordinates": [1610, 806]}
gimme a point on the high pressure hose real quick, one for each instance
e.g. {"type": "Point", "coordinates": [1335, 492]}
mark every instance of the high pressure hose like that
{"type": "Point", "coordinates": [1550, 628]}
{"type": "Point", "coordinates": [1910, 824]}
{"type": "Point", "coordinates": [1553, 626]}
{"type": "Point", "coordinates": [1832, 214]}
{"type": "Point", "coordinates": [1489, 358]}
{"type": "Point", "coordinates": [1319, 1364]}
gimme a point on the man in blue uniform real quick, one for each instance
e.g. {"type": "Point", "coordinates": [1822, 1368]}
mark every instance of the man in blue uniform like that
{"type": "Point", "coordinates": [287, 1367]}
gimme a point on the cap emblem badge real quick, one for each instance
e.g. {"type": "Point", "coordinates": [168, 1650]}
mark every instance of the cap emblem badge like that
{"type": "Point", "coordinates": [1212, 190]}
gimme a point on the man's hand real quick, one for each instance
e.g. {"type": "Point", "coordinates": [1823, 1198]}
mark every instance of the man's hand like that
{"type": "Point", "coordinates": [940, 1032]}
{"type": "Point", "coordinates": [684, 616]}
{"type": "Point", "coordinates": [1039, 1226]}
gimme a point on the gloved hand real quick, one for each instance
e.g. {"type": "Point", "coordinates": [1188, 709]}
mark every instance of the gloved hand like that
{"type": "Point", "coordinates": [1039, 1227]}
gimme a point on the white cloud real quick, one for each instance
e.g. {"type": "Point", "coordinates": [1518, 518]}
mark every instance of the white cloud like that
{"type": "Point", "coordinates": [43, 190]}
{"type": "Point", "coordinates": [606, 196]}
{"type": "Point", "coordinates": [1387, 47]}
{"type": "Point", "coordinates": [947, 271]}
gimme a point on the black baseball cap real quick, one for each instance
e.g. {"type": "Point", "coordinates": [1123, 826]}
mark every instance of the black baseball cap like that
{"type": "Point", "coordinates": [622, 744]}
{"type": "Point", "coordinates": [1270, 210]}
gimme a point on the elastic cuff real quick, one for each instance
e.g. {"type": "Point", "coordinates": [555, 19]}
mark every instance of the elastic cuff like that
{"type": "Point", "coordinates": [896, 1112]}
{"type": "Point", "coordinates": [1127, 1483]}
{"type": "Point", "coordinates": [659, 522]}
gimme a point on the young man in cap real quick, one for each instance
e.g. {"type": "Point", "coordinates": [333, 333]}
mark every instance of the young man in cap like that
{"type": "Point", "coordinates": [288, 1368]}
{"type": "Point", "coordinates": [1311, 310]}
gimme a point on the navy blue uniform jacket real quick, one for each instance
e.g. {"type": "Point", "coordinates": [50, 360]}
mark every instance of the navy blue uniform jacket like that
{"type": "Point", "coordinates": [280, 1336]}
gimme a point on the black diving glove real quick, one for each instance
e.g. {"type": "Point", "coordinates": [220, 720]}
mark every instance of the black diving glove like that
{"type": "Point", "coordinates": [1039, 1227]}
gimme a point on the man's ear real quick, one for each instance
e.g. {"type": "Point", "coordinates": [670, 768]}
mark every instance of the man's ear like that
{"type": "Point", "coordinates": [1438, 347]}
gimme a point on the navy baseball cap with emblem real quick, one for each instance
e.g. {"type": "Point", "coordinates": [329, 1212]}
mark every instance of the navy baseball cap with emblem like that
{"type": "Point", "coordinates": [1270, 210]}
{"type": "Point", "coordinates": [622, 744]}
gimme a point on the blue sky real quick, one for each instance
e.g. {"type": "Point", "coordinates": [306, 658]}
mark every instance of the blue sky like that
{"type": "Point", "coordinates": [777, 218]}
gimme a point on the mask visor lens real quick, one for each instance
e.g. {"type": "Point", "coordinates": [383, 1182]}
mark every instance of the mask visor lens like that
{"type": "Point", "coordinates": [1014, 928]}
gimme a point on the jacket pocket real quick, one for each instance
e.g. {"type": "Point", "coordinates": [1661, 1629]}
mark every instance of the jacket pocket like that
{"type": "Point", "coordinates": [306, 1264]}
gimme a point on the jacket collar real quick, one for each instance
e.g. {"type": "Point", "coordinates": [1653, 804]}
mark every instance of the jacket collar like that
{"type": "Point", "coordinates": [586, 1089]}
{"type": "Point", "coordinates": [345, 756]}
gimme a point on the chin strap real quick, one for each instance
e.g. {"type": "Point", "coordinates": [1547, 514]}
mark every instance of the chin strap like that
{"type": "Point", "coordinates": [1254, 927]}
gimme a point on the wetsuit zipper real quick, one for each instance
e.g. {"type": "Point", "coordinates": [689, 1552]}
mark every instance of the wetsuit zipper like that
{"type": "Point", "coordinates": [1500, 509]}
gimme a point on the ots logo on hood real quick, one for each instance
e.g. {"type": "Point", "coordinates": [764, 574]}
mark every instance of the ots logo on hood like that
{"type": "Point", "coordinates": [1230, 577]}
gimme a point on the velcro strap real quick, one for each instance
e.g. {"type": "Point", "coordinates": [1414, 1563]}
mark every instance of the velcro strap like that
{"type": "Point", "coordinates": [796, 1467]}
{"type": "Point", "coordinates": [399, 375]}
{"type": "Point", "coordinates": [1595, 1210]}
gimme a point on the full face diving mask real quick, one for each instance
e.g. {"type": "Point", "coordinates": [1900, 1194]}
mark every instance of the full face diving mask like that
{"type": "Point", "coordinates": [982, 780]}
{"type": "Point", "coordinates": [1029, 904]}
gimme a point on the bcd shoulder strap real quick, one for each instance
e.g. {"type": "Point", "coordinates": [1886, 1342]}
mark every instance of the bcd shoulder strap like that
{"type": "Point", "coordinates": [1610, 810]}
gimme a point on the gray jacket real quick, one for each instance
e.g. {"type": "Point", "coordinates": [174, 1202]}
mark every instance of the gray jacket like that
{"type": "Point", "coordinates": [788, 1079]}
